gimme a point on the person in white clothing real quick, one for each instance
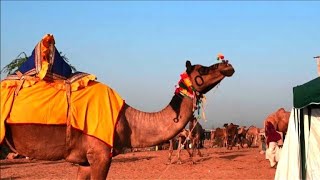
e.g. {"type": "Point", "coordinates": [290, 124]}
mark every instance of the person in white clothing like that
{"type": "Point", "coordinates": [274, 140]}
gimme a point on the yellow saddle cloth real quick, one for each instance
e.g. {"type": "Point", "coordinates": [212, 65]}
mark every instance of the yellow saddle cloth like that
{"type": "Point", "coordinates": [94, 108]}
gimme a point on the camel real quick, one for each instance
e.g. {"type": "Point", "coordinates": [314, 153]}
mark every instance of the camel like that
{"type": "Point", "coordinates": [232, 135]}
{"type": "Point", "coordinates": [253, 134]}
{"type": "Point", "coordinates": [279, 119]}
{"type": "Point", "coordinates": [242, 131]}
{"type": "Point", "coordinates": [219, 137]}
{"type": "Point", "coordinates": [182, 138]}
{"type": "Point", "coordinates": [48, 142]}
{"type": "Point", "coordinates": [195, 134]}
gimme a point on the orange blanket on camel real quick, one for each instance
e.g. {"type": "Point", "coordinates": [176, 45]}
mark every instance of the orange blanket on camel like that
{"type": "Point", "coordinates": [94, 107]}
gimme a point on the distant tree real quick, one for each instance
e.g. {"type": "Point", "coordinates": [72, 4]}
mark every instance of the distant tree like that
{"type": "Point", "coordinates": [14, 65]}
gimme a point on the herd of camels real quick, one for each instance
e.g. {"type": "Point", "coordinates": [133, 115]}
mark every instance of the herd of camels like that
{"type": "Point", "coordinates": [94, 156]}
{"type": "Point", "coordinates": [242, 135]}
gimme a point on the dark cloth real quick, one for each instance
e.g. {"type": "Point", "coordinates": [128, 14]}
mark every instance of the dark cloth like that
{"type": "Point", "coordinates": [271, 133]}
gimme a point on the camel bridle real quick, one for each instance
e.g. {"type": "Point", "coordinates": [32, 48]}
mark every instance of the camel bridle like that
{"type": "Point", "coordinates": [186, 88]}
{"type": "Point", "coordinates": [196, 95]}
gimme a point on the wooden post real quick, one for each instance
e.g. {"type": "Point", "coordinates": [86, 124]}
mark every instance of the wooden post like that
{"type": "Point", "coordinates": [318, 64]}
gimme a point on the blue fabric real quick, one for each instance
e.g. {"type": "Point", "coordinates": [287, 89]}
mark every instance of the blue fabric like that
{"type": "Point", "coordinates": [59, 66]}
{"type": "Point", "coordinates": [28, 65]}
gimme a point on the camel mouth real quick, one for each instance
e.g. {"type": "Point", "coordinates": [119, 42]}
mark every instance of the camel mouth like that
{"type": "Point", "coordinates": [228, 71]}
{"type": "Point", "coordinates": [207, 89]}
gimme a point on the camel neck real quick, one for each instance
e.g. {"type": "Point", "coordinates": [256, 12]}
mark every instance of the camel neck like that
{"type": "Point", "coordinates": [151, 128]}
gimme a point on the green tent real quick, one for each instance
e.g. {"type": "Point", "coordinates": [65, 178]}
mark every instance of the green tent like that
{"type": "Point", "coordinates": [299, 158]}
{"type": "Point", "coordinates": [307, 94]}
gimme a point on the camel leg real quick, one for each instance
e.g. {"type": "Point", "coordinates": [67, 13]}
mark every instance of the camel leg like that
{"type": "Point", "coordinates": [83, 173]}
{"type": "Point", "coordinates": [179, 150]}
{"type": "Point", "coordinates": [198, 145]}
{"type": "Point", "coordinates": [199, 153]}
{"type": "Point", "coordinates": [99, 159]}
{"type": "Point", "coordinates": [189, 151]}
{"type": "Point", "coordinates": [255, 140]}
{"type": "Point", "coordinates": [240, 142]}
{"type": "Point", "coordinates": [194, 145]}
{"type": "Point", "coordinates": [170, 151]}
{"type": "Point", "coordinates": [225, 142]}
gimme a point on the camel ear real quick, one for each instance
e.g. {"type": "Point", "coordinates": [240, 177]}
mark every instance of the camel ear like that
{"type": "Point", "coordinates": [188, 66]}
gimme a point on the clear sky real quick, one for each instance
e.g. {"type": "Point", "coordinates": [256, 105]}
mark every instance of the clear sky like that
{"type": "Point", "coordinates": [140, 48]}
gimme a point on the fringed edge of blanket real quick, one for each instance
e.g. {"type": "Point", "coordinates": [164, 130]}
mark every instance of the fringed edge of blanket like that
{"type": "Point", "coordinates": [75, 84]}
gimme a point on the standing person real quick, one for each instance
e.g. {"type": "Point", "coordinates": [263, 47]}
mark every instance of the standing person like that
{"type": "Point", "coordinates": [274, 139]}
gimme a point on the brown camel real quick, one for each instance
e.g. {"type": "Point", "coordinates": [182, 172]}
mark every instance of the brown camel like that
{"type": "Point", "coordinates": [219, 137]}
{"type": "Point", "coordinates": [196, 137]}
{"type": "Point", "coordinates": [232, 135]}
{"type": "Point", "coordinates": [182, 138]}
{"type": "Point", "coordinates": [253, 135]}
{"type": "Point", "coordinates": [242, 131]}
{"type": "Point", "coordinates": [279, 119]}
{"type": "Point", "coordinates": [195, 134]}
{"type": "Point", "coordinates": [48, 142]}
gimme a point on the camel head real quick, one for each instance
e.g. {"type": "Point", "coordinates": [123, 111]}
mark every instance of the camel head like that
{"type": "Point", "coordinates": [204, 78]}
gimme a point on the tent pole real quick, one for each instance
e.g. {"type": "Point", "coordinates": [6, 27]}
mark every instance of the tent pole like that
{"type": "Point", "coordinates": [302, 146]}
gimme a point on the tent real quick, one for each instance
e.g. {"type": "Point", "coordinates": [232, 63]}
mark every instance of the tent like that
{"type": "Point", "coordinates": [300, 155]}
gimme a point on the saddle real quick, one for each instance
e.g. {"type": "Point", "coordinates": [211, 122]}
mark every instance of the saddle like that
{"type": "Point", "coordinates": [45, 87]}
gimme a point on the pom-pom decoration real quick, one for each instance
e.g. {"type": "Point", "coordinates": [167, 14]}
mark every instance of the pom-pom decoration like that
{"type": "Point", "coordinates": [220, 57]}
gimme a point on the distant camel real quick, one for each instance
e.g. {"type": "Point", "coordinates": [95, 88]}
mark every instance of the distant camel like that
{"type": "Point", "coordinates": [232, 135]}
{"type": "Point", "coordinates": [253, 135]}
{"type": "Point", "coordinates": [219, 137]}
{"type": "Point", "coordinates": [182, 138]}
{"type": "Point", "coordinates": [133, 129]}
{"type": "Point", "coordinates": [191, 136]}
{"type": "Point", "coordinates": [196, 137]}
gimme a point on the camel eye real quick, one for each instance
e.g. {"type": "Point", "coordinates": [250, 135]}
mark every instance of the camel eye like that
{"type": "Point", "coordinates": [203, 70]}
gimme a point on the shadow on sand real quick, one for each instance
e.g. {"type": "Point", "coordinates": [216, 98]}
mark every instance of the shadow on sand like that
{"type": "Point", "coordinates": [4, 164]}
{"type": "Point", "coordinates": [10, 178]}
{"type": "Point", "coordinates": [132, 159]}
{"type": "Point", "coordinates": [231, 156]}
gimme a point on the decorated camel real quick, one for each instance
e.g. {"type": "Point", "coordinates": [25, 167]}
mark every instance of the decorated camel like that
{"type": "Point", "coordinates": [186, 137]}
{"type": "Point", "coordinates": [79, 130]}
